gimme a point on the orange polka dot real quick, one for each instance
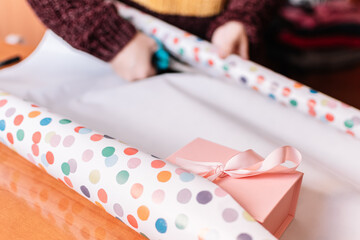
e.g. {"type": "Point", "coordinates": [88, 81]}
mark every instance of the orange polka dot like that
{"type": "Point", "coordinates": [34, 114]}
{"type": "Point", "coordinates": [136, 190]}
{"type": "Point", "coordinates": [143, 213]}
{"type": "Point", "coordinates": [10, 138]}
{"type": "Point", "coordinates": [85, 233]}
{"type": "Point", "coordinates": [36, 137]}
{"type": "Point", "coordinates": [298, 85]}
{"type": "Point", "coordinates": [100, 233]}
{"type": "Point", "coordinates": [158, 164]}
{"type": "Point", "coordinates": [350, 133]}
{"type": "Point", "coordinates": [96, 137]}
{"type": "Point", "coordinates": [164, 176]}
{"type": "Point", "coordinates": [50, 157]}
{"type": "Point", "coordinates": [35, 149]}
{"type": "Point", "coordinates": [255, 88]}
{"type": "Point", "coordinates": [34, 105]}
{"type": "Point", "coordinates": [68, 181]}
{"type": "Point", "coordinates": [42, 167]}
{"type": "Point", "coordinates": [99, 205]}
{"type": "Point", "coordinates": [102, 195]}
{"type": "Point", "coordinates": [132, 221]}
{"type": "Point", "coordinates": [130, 151]}
{"type": "Point", "coordinates": [63, 204]}
{"type": "Point", "coordinates": [18, 120]}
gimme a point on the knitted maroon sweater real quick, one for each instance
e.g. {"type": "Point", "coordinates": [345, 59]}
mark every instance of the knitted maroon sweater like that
{"type": "Point", "coordinates": [95, 27]}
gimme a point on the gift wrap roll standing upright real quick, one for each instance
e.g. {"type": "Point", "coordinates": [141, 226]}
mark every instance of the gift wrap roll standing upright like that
{"type": "Point", "coordinates": [203, 56]}
{"type": "Point", "coordinates": [153, 196]}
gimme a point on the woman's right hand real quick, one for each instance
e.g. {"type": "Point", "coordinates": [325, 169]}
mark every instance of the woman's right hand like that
{"type": "Point", "coordinates": [133, 62]}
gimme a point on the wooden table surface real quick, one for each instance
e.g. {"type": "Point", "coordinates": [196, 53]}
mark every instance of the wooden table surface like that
{"type": "Point", "coordinates": [34, 205]}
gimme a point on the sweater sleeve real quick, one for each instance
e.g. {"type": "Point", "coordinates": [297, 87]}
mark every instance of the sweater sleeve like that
{"type": "Point", "coordinates": [92, 26]}
{"type": "Point", "coordinates": [254, 14]}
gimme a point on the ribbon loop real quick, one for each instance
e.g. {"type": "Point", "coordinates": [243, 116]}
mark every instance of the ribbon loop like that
{"type": "Point", "coordinates": [245, 164]}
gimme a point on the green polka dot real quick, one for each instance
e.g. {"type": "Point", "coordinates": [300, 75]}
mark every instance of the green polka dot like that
{"type": "Point", "coordinates": [181, 221]}
{"type": "Point", "coordinates": [20, 134]}
{"type": "Point", "coordinates": [122, 177]}
{"type": "Point", "coordinates": [226, 67]}
{"type": "Point", "coordinates": [65, 121]}
{"type": "Point", "coordinates": [108, 151]}
{"type": "Point", "coordinates": [349, 123]}
{"type": "Point", "coordinates": [181, 51]}
{"type": "Point", "coordinates": [293, 102]}
{"type": "Point", "coordinates": [65, 167]}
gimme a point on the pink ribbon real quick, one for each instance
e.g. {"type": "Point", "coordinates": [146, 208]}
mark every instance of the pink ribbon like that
{"type": "Point", "coordinates": [244, 164]}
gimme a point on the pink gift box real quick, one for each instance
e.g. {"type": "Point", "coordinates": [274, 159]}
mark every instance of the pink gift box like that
{"type": "Point", "coordinates": [270, 198]}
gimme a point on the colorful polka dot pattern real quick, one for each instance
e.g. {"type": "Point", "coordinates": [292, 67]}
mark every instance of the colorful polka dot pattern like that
{"type": "Point", "coordinates": [202, 55]}
{"type": "Point", "coordinates": [152, 196]}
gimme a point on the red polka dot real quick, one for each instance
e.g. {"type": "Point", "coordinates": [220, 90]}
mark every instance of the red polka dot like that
{"type": "Point", "coordinates": [68, 181]}
{"type": "Point", "coordinates": [131, 219]}
{"type": "Point", "coordinates": [10, 138]}
{"type": "Point", "coordinates": [286, 91]}
{"type": "Point", "coordinates": [154, 31]}
{"type": "Point", "coordinates": [77, 129]}
{"type": "Point", "coordinates": [18, 120]}
{"type": "Point", "coordinates": [102, 195]}
{"type": "Point", "coordinates": [196, 50]}
{"type": "Point", "coordinates": [157, 164]}
{"type": "Point", "coordinates": [329, 117]}
{"type": "Point", "coordinates": [50, 157]}
{"type": "Point", "coordinates": [260, 79]}
{"type": "Point", "coordinates": [3, 102]}
{"type": "Point", "coordinates": [350, 133]}
{"type": "Point", "coordinates": [176, 40]}
{"type": "Point", "coordinates": [210, 62]}
{"type": "Point", "coordinates": [197, 58]}
{"type": "Point", "coordinates": [311, 103]}
{"type": "Point", "coordinates": [36, 137]}
{"type": "Point", "coordinates": [130, 151]}
{"type": "Point", "coordinates": [33, 105]}
{"type": "Point", "coordinates": [312, 112]}
{"type": "Point", "coordinates": [96, 137]}
{"type": "Point", "coordinates": [35, 149]}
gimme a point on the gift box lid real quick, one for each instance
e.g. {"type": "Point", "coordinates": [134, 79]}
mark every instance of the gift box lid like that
{"type": "Point", "coordinates": [271, 199]}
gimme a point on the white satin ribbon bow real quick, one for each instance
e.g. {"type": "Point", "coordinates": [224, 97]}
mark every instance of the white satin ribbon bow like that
{"type": "Point", "coordinates": [244, 164]}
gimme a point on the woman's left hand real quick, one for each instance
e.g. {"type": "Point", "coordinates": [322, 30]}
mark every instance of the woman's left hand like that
{"type": "Point", "coordinates": [231, 38]}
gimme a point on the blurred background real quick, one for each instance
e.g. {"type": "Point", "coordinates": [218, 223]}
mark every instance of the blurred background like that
{"type": "Point", "coordinates": [316, 42]}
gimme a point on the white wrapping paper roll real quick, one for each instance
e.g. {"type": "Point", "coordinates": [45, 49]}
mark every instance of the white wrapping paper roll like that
{"type": "Point", "coordinates": [203, 56]}
{"type": "Point", "coordinates": [154, 197]}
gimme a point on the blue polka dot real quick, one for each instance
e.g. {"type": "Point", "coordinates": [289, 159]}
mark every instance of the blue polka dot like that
{"type": "Point", "coordinates": [313, 91]}
{"type": "Point", "coordinates": [161, 225]}
{"type": "Point", "coordinates": [2, 125]}
{"type": "Point", "coordinates": [45, 121]}
{"type": "Point", "coordinates": [186, 177]}
{"type": "Point", "coordinates": [272, 96]}
{"type": "Point", "coordinates": [111, 161]}
{"type": "Point", "coordinates": [44, 161]}
{"type": "Point", "coordinates": [84, 130]}
{"type": "Point", "coordinates": [243, 79]}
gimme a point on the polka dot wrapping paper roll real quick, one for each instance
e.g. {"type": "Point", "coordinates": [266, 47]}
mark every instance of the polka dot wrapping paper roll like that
{"type": "Point", "coordinates": [203, 56]}
{"type": "Point", "coordinates": [152, 196]}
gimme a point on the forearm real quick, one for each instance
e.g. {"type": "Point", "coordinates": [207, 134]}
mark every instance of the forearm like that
{"type": "Point", "coordinates": [92, 26]}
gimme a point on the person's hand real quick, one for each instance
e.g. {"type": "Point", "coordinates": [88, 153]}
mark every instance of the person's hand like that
{"type": "Point", "coordinates": [133, 62]}
{"type": "Point", "coordinates": [231, 38]}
